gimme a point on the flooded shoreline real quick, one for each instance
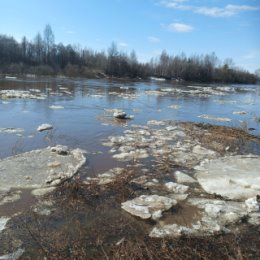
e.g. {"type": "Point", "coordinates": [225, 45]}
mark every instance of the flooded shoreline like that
{"type": "Point", "coordinates": [88, 103]}
{"type": "Point", "coordinates": [143, 178]}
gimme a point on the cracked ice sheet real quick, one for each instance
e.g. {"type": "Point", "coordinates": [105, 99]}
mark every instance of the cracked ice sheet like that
{"type": "Point", "coordinates": [36, 169]}
{"type": "Point", "coordinates": [235, 177]}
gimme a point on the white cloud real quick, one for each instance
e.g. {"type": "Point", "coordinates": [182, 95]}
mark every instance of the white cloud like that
{"type": "Point", "coordinates": [249, 66]}
{"type": "Point", "coordinates": [227, 11]}
{"type": "Point", "coordinates": [153, 39]}
{"type": "Point", "coordinates": [179, 27]}
{"type": "Point", "coordinates": [172, 2]}
{"type": "Point", "coordinates": [250, 60]}
{"type": "Point", "coordinates": [122, 44]}
{"type": "Point", "coordinates": [252, 55]}
{"type": "Point", "coordinates": [176, 4]}
{"type": "Point", "coordinates": [242, 7]}
{"type": "Point", "coordinates": [70, 32]}
{"type": "Point", "coordinates": [179, 1]}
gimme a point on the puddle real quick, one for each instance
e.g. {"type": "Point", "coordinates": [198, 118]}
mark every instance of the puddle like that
{"type": "Point", "coordinates": [82, 217]}
{"type": "Point", "coordinates": [24, 203]}
{"type": "Point", "coordinates": [183, 215]}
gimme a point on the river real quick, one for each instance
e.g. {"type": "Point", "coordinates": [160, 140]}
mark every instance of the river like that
{"type": "Point", "coordinates": [81, 111]}
{"type": "Point", "coordinates": [87, 220]}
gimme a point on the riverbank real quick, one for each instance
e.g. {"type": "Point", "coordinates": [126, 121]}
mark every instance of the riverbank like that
{"type": "Point", "coordinates": [108, 169]}
{"type": "Point", "coordinates": [84, 218]}
{"type": "Point", "coordinates": [86, 73]}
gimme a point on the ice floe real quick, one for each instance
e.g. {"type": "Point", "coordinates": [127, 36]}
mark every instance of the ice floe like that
{"type": "Point", "coordinates": [33, 169]}
{"type": "Point", "coordinates": [11, 130]}
{"type": "Point", "coordinates": [215, 118]}
{"type": "Point", "coordinates": [234, 177]}
{"type": "Point", "coordinates": [6, 94]}
{"type": "Point", "coordinates": [44, 127]}
{"type": "Point", "coordinates": [148, 206]}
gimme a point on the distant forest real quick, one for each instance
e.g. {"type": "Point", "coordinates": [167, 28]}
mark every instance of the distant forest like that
{"type": "Point", "coordinates": [41, 56]}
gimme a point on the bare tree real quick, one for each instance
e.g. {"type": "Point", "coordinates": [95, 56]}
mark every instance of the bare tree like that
{"type": "Point", "coordinates": [164, 64]}
{"type": "Point", "coordinates": [257, 73]}
{"type": "Point", "coordinates": [39, 47]}
{"type": "Point", "coordinates": [113, 56]}
{"type": "Point", "coordinates": [24, 46]}
{"type": "Point", "coordinates": [48, 39]}
{"type": "Point", "coordinates": [33, 56]}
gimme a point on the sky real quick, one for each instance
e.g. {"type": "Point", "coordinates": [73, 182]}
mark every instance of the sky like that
{"type": "Point", "coordinates": [230, 28]}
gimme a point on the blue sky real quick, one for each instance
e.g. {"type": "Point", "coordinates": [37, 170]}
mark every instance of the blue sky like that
{"type": "Point", "coordinates": [230, 28]}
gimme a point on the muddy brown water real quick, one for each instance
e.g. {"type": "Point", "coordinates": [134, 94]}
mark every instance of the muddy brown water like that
{"type": "Point", "coordinates": [182, 214]}
{"type": "Point", "coordinates": [24, 203]}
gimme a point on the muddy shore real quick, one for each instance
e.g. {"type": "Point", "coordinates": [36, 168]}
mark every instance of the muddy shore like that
{"type": "Point", "coordinates": [104, 169]}
{"type": "Point", "coordinates": [83, 217]}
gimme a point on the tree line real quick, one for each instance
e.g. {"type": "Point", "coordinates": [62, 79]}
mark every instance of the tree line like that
{"type": "Point", "coordinates": [42, 56]}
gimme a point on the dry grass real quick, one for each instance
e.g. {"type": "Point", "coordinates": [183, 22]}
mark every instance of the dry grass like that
{"type": "Point", "coordinates": [223, 139]}
{"type": "Point", "coordinates": [221, 247]}
{"type": "Point", "coordinates": [88, 224]}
